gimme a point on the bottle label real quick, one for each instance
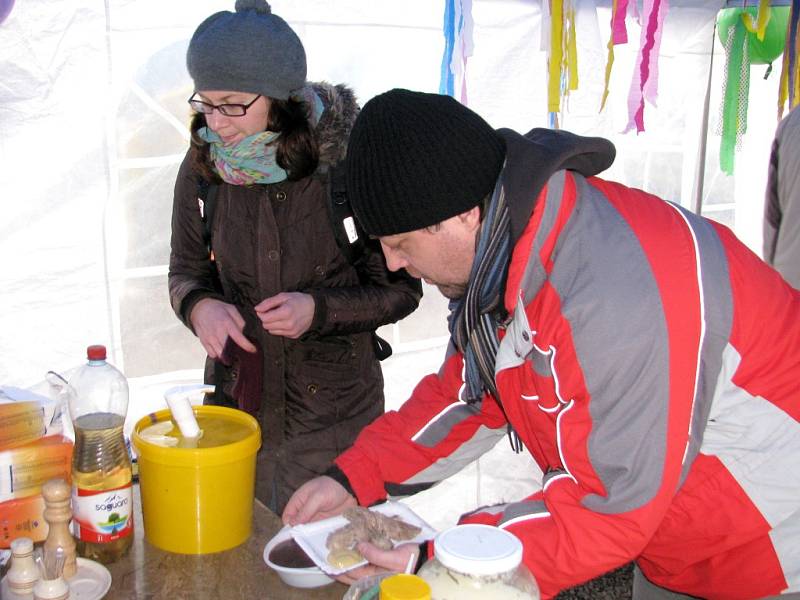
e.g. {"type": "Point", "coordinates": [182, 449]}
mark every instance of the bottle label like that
{"type": "Point", "coordinates": [100, 516]}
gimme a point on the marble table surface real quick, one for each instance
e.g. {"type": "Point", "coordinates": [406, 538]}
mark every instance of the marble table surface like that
{"type": "Point", "coordinates": [147, 573]}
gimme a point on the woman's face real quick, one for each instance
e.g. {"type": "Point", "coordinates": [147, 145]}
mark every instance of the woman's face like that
{"type": "Point", "coordinates": [234, 129]}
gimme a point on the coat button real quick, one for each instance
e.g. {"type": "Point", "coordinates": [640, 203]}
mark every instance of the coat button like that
{"type": "Point", "coordinates": [273, 255]}
{"type": "Point", "coordinates": [312, 388]}
{"type": "Point", "coordinates": [280, 196]}
{"type": "Point", "coordinates": [526, 336]}
{"type": "Point", "coordinates": [319, 270]}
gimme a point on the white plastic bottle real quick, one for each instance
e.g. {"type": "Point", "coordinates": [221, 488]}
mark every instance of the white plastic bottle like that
{"type": "Point", "coordinates": [102, 496]}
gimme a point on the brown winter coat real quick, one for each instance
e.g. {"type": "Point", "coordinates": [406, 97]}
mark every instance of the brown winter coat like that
{"type": "Point", "coordinates": [320, 390]}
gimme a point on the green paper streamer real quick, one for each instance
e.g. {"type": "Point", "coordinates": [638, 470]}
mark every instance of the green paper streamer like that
{"type": "Point", "coordinates": [734, 108]}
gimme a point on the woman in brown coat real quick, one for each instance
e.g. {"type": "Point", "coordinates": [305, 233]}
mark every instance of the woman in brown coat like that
{"type": "Point", "coordinates": [286, 318]}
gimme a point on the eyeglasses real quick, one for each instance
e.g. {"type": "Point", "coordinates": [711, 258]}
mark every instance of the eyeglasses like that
{"type": "Point", "coordinates": [229, 110]}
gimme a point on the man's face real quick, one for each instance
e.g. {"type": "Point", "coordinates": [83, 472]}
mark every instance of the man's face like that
{"type": "Point", "coordinates": [441, 255]}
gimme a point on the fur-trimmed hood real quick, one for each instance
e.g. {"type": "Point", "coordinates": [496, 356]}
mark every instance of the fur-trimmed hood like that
{"type": "Point", "coordinates": [333, 130]}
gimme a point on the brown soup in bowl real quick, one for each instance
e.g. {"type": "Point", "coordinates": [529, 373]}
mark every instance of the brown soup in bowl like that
{"type": "Point", "coordinates": [290, 555]}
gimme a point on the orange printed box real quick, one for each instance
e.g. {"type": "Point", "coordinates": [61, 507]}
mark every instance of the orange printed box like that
{"type": "Point", "coordinates": [22, 517]}
{"type": "Point", "coordinates": [24, 469]}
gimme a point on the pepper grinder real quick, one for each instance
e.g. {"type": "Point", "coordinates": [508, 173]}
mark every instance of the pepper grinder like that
{"type": "Point", "coordinates": [22, 574]}
{"type": "Point", "coordinates": [58, 513]}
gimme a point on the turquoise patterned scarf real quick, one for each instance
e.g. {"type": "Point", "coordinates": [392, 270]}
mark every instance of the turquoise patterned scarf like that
{"type": "Point", "coordinates": [252, 160]}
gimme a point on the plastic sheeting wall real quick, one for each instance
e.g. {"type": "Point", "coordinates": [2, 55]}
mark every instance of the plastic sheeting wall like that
{"type": "Point", "coordinates": [93, 119]}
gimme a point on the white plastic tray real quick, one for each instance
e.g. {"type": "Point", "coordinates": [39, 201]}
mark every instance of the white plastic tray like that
{"type": "Point", "coordinates": [311, 537]}
{"type": "Point", "coordinates": [90, 582]}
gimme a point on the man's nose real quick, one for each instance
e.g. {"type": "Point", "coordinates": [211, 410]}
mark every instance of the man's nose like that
{"type": "Point", "coordinates": [394, 261]}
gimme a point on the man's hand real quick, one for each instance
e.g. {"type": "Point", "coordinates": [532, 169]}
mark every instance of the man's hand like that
{"type": "Point", "coordinates": [288, 314]}
{"type": "Point", "coordinates": [214, 321]}
{"type": "Point", "coordinates": [396, 560]}
{"type": "Point", "coordinates": [317, 499]}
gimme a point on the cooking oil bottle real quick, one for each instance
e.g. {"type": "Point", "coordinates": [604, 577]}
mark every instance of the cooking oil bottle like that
{"type": "Point", "coordinates": [102, 496]}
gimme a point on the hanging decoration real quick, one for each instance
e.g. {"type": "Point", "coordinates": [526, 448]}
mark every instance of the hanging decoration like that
{"type": "Point", "coordinates": [644, 84]}
{"type": "Point", "coordinates": [5, 9]}
{"type": "Point", "coordinates": [619, 35]}
{"type": "Point", "coordinates": [790, 72]}
{"type": "Point", "coordinates": [749, 35]}
{"type": "Point", "coordinates": [458, 47]}
{"type": "Point", "coordinates": [562, 57]}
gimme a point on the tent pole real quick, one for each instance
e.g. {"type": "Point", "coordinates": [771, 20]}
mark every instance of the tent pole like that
{"type": "Point", "coordinates": [700, 171]}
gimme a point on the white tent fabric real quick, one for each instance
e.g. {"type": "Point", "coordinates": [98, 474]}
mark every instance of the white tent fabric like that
{"type": "Point", "coordinates": [93, 125]}
{"type": "Point", "coordinates": [93, 120]}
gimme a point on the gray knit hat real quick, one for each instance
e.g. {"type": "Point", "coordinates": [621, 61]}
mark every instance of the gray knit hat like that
{"type": "Point", "coordinates": [416, 159]}
{"type": "Point", "coordinates": [250, 50]}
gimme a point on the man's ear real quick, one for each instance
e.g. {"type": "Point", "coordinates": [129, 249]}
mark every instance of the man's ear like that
{"type": "Point", "coordinates": [472, 217]}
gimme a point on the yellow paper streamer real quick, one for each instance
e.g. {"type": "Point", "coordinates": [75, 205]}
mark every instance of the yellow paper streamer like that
{"type": "Point", "coordinates": [759, 27]}
{"type": "Point", "coordinates": [572, 52]}
{"type": "Point", "coordinates": [610, 59]}
{"type": "Point", "coordinates": [556, 56]}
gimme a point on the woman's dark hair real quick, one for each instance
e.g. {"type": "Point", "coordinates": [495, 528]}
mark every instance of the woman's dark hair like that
{"type": "Point", "coordinates": [297, 147]}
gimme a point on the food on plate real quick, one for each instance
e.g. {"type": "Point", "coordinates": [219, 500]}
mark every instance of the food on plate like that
{"type": "Point", "coordinates": [366, 526]}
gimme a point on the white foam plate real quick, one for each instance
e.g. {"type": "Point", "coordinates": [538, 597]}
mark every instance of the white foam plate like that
{"type": "Point", "coordinates": [311, 537]}
{"type": "Point", "coordinates": [91, 582]}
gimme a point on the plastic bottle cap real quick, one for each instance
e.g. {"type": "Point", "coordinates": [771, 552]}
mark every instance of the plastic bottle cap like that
{"type": "Point", "coordinates": [404, 587]}
{"type": "Point", "coordinates": [478, 549]}
{"type": "Point", "coordinates": [96, 352]}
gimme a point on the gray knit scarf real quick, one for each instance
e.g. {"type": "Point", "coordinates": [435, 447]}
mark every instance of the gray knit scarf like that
{"type": "Point", "coordinates": [474, 316]}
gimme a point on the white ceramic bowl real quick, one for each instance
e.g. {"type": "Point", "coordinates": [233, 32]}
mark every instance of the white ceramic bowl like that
{"type": "Point", "coordinates": [309, 577]}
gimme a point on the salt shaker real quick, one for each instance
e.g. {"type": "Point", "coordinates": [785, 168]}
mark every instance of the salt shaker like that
{"type": "Point", "coordinates": [22, 574]}
{"type": "Point", "coordinates": [57, 495]}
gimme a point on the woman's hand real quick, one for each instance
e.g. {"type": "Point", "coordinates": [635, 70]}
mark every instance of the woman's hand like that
{"type": "Point", "coordinates": [380, 561]}
{"type": "Point", "coordinates": [288, 314]}
{"type": "Point", "coordinates": [214, 321]}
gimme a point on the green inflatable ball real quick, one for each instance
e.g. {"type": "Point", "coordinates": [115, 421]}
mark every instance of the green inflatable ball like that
{"type": "Point", "coordinates": [762, 52]}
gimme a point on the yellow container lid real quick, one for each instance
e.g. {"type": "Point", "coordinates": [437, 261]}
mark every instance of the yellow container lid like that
{"type": "Point", "coordinates": [405, 587]}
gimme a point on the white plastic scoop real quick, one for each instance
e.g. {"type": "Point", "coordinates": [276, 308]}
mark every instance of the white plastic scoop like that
{"type": "Point", "coordinates": [181, 408]}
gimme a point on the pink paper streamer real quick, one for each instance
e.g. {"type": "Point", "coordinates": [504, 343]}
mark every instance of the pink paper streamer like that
{"type": "Point", "coordinates": [644, 84]}
{"type": "Point", "coordinates": [619, 33]}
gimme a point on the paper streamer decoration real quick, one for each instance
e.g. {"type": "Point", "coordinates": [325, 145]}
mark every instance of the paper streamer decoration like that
{"type": "Point", "coordinates": [644, 84]}
{"type": "Point", "coordinates": [5, 9]}
{"type": "Point", "coordinates": [790, 72]}
{"type": "Point", "coordinates": [748, 38]}
{"type": "Point", "coordinates": [458, 47]}
{"type": "Point", "coordinates": [562, 59]}
{"type": "Point", "coordinates": [619, 35]}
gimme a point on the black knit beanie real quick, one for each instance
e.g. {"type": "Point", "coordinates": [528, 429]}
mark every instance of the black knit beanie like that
{"type": "Point", "coordinates": [416, 159]}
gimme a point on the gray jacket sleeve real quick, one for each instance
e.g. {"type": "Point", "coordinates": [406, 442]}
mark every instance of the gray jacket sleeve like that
{"type": "Point", "coordinates": [782, 203]}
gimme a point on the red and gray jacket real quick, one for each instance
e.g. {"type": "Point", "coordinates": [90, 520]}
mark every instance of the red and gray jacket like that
{"type": "Point", "coordinates": [651, 366]}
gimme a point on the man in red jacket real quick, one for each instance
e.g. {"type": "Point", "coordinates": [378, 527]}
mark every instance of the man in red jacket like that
{"type": "Point", "coordinates": [645, 357]}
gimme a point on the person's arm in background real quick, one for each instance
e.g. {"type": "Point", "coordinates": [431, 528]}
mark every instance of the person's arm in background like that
{"type": "Point", "coordinates": [781, 245]}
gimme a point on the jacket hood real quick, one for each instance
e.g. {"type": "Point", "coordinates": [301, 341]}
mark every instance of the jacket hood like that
{"type": "Point", "coordinates": [333, 129]}
{"type": "Point", "coordinates": [531, 160]}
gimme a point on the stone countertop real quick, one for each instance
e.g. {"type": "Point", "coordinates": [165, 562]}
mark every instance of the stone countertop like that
{"type": "Point", "coordinates": [147, 573]}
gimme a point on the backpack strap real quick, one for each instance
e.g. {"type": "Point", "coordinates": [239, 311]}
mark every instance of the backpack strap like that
{"type": "Point", "coordinates": [207, 201]}
{"type": "Point", "coordinates": [348, 233]}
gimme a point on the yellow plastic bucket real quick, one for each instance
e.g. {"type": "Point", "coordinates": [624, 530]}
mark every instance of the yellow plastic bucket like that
{"type": "Point", "coordinates": [198, 500]}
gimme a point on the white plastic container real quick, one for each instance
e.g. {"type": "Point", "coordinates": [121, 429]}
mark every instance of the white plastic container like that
{"type": "Point", "coordinates": [476, 562]}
